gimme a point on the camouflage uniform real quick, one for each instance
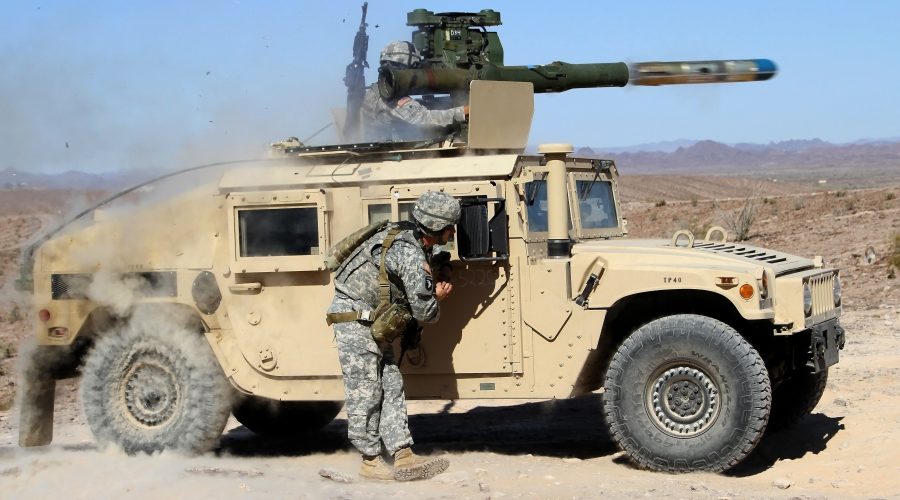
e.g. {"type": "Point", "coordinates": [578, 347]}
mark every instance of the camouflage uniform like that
{"type": "Point", "coordinates": [404, 119]}
{"type": "Point", "coordinates": [373, 384]}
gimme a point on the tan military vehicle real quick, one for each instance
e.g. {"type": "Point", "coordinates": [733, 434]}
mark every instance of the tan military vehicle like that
{"type": "Point", "coordinates": [180, 312]}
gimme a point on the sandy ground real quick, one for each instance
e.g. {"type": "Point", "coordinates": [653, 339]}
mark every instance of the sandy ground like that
{"type": "Point", "coordinates": [847, 448]}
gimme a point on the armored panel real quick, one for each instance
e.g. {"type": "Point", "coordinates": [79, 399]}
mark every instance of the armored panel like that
{"type": "Point", "coordinates": [500, 114]}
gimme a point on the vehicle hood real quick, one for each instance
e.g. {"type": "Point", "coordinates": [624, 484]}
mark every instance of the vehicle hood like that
{"type": "Point", "coordinates": [713, 253]}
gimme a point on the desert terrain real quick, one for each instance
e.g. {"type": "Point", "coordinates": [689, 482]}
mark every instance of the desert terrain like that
{"type": "Point", "coordinates": [847, 448]}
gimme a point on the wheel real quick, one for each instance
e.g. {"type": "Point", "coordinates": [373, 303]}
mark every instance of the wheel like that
{"type": "Point", "coordinates": [270, 417]}
{"type": "Point", "coordinates": [796, 397]}
{"type": "Point", "coordinates": [686, 393]}
{"type": "Point", "coordinates": [154, 386]}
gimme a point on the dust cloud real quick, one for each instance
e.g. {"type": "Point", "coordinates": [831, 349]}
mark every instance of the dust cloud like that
{"type": "Point", "coordinates": [112, 288]}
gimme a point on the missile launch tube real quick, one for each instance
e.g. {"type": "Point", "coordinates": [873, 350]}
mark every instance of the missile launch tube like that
{"type": "Point", "coordinates": [553, 77]}
{"type": "Point", "coordinates": [560, 76]}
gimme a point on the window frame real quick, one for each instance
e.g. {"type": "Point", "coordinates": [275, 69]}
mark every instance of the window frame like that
{"type": "Point", "coordinates": [540, 175]}
{"type": "Point", "coordinates": [575, 207]}
{"type": "Point", "coordinates": [278, 200]}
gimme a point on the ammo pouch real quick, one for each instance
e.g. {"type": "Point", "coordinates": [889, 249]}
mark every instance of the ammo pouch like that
{"type": "Point", "coordinates": [391, 318]}
{"type": "Point", "coordinates": [390, 322]}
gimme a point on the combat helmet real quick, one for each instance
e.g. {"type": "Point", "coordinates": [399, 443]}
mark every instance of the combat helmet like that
{"type": "Point", "coordinates": [433, 211]}
{"type": "Point", "coordinates": [400, 54]}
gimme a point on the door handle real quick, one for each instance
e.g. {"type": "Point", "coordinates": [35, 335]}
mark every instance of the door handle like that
{"type": "Point", "coordinates": [246, 287]}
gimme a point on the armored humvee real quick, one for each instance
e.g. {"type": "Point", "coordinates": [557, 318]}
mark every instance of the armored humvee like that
{"type": "Point", "coordinates": [212, 302]}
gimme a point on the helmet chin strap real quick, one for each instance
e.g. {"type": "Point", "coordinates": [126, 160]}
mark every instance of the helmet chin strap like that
{"type": "Point", "coordinates": [422, 230]}
{"type": "Point", "coordinates": [428, 237]}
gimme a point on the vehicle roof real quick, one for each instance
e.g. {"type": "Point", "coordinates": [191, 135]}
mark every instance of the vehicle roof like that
{"type": "Point", "coordinates": [312, 172]}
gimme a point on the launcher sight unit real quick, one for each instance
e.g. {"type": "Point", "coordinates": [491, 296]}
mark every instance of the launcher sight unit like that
{"type": "Point", "coordinates": [457, 49]}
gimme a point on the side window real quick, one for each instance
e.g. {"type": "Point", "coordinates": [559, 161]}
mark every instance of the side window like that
{"type": "Point", "coordinates": [278, 232]}
{"type": "Point", "coordinates": [536, 204]}
{"type": "Point", "coordinates": [405, 210]}
{"type": "Point", "coordinates": [379, 212]}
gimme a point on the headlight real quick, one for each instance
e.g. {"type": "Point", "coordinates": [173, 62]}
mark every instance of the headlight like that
{"type": "Point", "coordinates": [807, 299]}
{"type": "Point", "coordinates": [836, 290]}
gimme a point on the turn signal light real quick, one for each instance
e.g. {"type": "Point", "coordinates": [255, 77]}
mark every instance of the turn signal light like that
{"type": "Point", "coordinates": [746, 291]}
{"type": "Point", "coordinates": [44, 315]}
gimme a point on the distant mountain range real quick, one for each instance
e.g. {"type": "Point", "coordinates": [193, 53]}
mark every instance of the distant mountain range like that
{"type": "Point", "coordinates": [791, 145]}
{"type": "Point", "coordinates": [866, 162]}
{"type": "Point", "coordinates": [859, 163]}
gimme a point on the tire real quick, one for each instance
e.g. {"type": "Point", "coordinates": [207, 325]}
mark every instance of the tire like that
{"type": "Point", "coordinates": [269, 417]}
{"type": "Point", "coordinates": [796, 398]}
{"type": "Point", "coordinates": [714, 388]}
{"type": "Point", "coordinates": [153, 387]}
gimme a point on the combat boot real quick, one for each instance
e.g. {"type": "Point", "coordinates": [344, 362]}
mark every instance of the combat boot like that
{"type": "Point", "coordinates": [408, 466]}
{"type": "Point", "coordinates": [376, 468]}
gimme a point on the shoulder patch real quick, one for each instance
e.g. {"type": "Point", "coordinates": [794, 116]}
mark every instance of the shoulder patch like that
{"type": "Point", "coordinates": [403, 101]}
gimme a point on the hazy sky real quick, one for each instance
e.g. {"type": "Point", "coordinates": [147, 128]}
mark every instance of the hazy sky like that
{"type": "Point", "coordinates": [103, 86]}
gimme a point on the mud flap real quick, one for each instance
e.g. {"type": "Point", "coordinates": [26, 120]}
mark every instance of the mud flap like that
{"type": "Point", "coordinates": [36, 411]}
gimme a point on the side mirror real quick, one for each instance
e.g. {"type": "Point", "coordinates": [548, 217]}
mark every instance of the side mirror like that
{"type": "Point", "coordinates": [479, 238]}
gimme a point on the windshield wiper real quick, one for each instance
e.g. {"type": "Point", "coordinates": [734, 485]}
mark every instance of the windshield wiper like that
{"type": "Point", "coordinates": [534, 186]}
{"type": "Point", "coordinates": [584, 194]}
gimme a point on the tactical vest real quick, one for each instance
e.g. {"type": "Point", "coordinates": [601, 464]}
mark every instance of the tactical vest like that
{"type": "Point", "coordinates": [389, 319]}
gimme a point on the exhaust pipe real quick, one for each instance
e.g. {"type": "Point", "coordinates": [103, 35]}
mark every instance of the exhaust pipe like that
{"type": "Point", "coordinates": [558, 243]}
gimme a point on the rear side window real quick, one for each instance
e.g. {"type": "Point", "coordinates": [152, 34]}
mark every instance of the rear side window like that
{"type": "Point", "coordinates": [278, 231]}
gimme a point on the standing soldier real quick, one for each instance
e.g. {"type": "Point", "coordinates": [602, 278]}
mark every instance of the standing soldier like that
{"type": "Point", "coordinates": [404, 118]}
{"type": "Point", "coordinates": [382, 286]}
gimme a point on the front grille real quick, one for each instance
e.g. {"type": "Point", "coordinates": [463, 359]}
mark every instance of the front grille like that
{"type": "Point", "coordinates": [152, 284]}
{"type": "Point", "coordinates": [822, 287]}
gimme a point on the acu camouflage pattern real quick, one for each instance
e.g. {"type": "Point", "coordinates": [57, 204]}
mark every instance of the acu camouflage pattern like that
{"type": "Point", "coordinates": [373, 385]}
{"type": "Point", "coordinates": [404, 119]}
{"type": "Point", "coordinates": [436, 210]}
{"type": "Point", "coordinates": [401, 54]}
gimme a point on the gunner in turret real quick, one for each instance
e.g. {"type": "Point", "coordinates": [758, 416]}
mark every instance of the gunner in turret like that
{"type": "Point", "coordinates": [404, 118]}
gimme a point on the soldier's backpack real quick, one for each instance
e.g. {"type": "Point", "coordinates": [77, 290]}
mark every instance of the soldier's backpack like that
{"type": "Point", "coordinates": [339, 252]}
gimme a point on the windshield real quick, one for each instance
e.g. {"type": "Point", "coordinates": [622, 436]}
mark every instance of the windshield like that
{"type": "Point", "coordinates": [595, 204]}
{"type": "Point", "coordinates": [536, 203]}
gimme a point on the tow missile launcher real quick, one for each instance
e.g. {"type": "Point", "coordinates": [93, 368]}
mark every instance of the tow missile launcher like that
{"type": "Point", "coordinates": [457, 49]}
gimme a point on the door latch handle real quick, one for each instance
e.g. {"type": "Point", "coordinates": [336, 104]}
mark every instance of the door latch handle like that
{"type": "Point", "coordinates": [246, 287]}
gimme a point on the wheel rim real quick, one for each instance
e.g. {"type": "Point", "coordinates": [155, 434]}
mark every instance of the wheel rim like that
{"type": "Point", "coordinates": [150, 390]}
{"type": "Point", "coordinates": [682, 401]}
